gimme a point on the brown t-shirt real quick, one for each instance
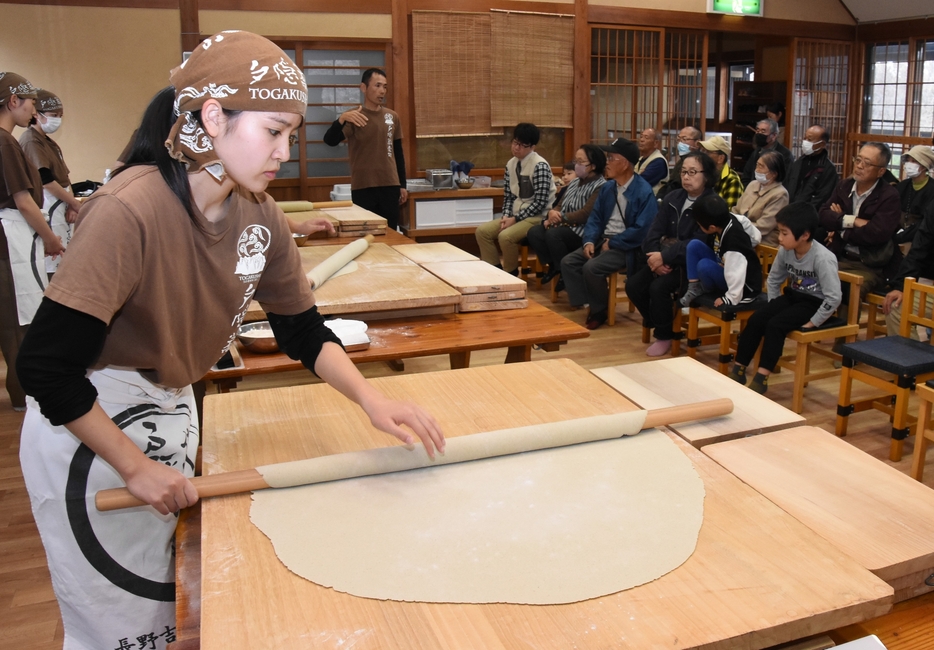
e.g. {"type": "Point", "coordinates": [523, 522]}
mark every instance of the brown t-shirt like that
{"type": "Point", "coordinates": [43, 151]}
{"type": "Point", "coordinates": [372, 160]}
{"type": "Point", "coordinates": [18, 173]}
{"type": "Point", "coordinates": [172, 291]}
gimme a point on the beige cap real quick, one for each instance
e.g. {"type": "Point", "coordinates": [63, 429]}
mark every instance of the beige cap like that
{"type": "Point", "coordinates": [923, 155]}
{"type": "Point", "coordinates": [716, 143]}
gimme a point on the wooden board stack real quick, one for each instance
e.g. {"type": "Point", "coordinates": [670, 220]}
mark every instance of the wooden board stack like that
{"type": "Point", "coordinates": [482, 286]}
{"type": "Point", "coordinates": [354, 221]}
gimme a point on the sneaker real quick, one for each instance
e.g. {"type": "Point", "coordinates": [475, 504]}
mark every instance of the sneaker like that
{"type": "Point", "coordinates": [759, 383]}
{"type": "Point", "coordinates": [660, 348]}
{"type": "Point", "coordinates": [694, 289]}
{"type": "Point", "coordinates": [738, 373]}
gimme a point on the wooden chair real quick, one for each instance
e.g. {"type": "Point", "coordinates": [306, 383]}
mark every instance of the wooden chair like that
{"type": "Point", "coordinates": [529, 268]}
{"type": "Point", "coordinates": [721, 319]}
{"type": "Point", "coordinates": [924, 433]}
{"type": "Point", "coordinates": [875, 319]}
{"type": "Point", "coordinates": [893, 364]}
{"type": "Point", "coordinates": [844, 326]}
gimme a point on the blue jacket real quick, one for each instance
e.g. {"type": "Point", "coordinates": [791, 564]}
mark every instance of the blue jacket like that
{"type": "Point", "coordinates": [641, 207]}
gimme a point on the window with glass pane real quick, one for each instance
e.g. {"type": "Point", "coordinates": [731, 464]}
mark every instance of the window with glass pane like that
{"type": "Point", "coordinates": [887, 88]}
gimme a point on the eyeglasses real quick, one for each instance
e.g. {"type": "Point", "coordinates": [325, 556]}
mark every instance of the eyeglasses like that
{"type": "Point", "coordinates": [690, 172]}
{"type": "Point", "coordinates": [581, 162]}
{"type": "Point", "coordinates": [862, 162]}
{"type": "Point", "coordinates": [521, 145]}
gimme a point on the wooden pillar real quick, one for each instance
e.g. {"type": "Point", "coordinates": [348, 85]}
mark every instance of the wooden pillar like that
{"type": "Point", "coordinates": [402, 99]}
{"type": "Point", "coordinates": [581, 105]}
{"type": "Point", "coordinates": [191, 32]}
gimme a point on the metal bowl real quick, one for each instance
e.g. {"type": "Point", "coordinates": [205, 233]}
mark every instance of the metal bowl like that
{"type": "Point", "coordinates": [258, 338]}
{"type": "Point", "coordinates": [465, 184]}
{"type": "Point", "coordinates": [299, 239]}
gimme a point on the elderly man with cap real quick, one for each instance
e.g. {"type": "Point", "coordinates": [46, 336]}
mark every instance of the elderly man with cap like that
{"type": "Point", "coordinates": [22, 281]}
{"type": "Point", "coordinates": [765, 139]}
{"type": "Point", "coordinates": [43, 152]}
{"type": "Point", "coordinates": [813, 177]}
{"type": "Point", "coordinates": [916, 192]}
{"type": "Point", "coordinates": [688, 140]}
{"type": "Point", "coordinates": [729, 186]}
{"type": "Point", "coordinates": [652, 165]}
{"type": "Point", "coordinates": [613, 234]}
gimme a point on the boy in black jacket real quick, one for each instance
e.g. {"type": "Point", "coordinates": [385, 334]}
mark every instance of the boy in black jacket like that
{"type": "Point", "coordinates": [731, 267]}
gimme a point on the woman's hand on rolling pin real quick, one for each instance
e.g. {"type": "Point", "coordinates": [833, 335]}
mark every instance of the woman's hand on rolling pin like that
{"type": "Point", "coordinates": [389, 416]}
{"type": "Point", "coordinates": [165, 489]}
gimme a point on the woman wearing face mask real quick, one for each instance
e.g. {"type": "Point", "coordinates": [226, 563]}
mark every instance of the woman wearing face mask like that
{"type": "Point", "coordinates": [61, 206]}
{"type": "Point", "coordinates": [561, 231]}
{"type": "Point", "coordinates": [22, 276]}
{"type": "Point", "coordinates": [765, 196]}
{"type": "Point", "coordinates": [164, 263]}
{"type": "Point", "coordinates": [916, 191]}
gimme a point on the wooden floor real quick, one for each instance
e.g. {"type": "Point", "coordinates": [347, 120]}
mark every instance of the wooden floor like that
{"type": "Point", "coordinates": [29, 614]}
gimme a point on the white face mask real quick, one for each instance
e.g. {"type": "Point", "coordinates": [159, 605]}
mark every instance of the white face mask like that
{"type": "Point", "coordinates": [51, 124]}
{"type": "Point", "coordinates": [580, 170]}
{"type": "Point", "coordinates": [762, 178]}
{"type": "Point", "coordinates": [912, 169]}
{"type": "Point", "coordinates": [807, 147]}
{"type": "Point", "coordinates": [683, 149]}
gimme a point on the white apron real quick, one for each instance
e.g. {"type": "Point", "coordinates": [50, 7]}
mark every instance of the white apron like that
{"type": "Point", "coordinates": [26, 263]}
{"type": "Point", "coordinates": [113, 572]}
{"type": "Point", "coordinates": [58, 224]}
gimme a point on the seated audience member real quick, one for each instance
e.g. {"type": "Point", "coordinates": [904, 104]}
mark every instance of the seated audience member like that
{"type": "Point", "coordinates": [528, 195]}
{"type": "Point", "coordinates": [812, 295]}
{"type": "Point", "coordinates": [652, 165]}
{"type": "Point", "coordinates": [918, 264]}
{"type": "Point", "coordinates": [813, 176]}
{"type": "Point", "coordinates": [765, 140]}
{"type": "Point", "coordinates": [729, 186]}
{"type": "Point", "coordinates": [654, 288]}
{"type": "Point", "coordinates": [765, 196]}
{"type": "Point", "coordinates": [613, 233]}
{"type": "Point", "coordinates": [562, 182]}
{"type": "Point", "coordinates": [861, 218]}
{"type": "Point", "coordinates": [916, 192]}
{"type": "Point", "coordinates": [561, 231]}
{"type": "Point", "coordinates": [688, 139]}
{"type": "Point", "coordinates": [731, 268]}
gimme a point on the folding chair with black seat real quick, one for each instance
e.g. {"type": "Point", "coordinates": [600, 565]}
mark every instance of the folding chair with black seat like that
{"type": "Point", "coordinates": [893, 364]}
{"type": "Point", "coordinates": [722, 319]}
{"type": "Point", "coordinates": [875, 320]}
{"type": "Point", "coordinates": [923, 434]}
{"type": "Point", "coordinates": [529, 269]}
{"type": "Point", "coordinates": [840, 326]}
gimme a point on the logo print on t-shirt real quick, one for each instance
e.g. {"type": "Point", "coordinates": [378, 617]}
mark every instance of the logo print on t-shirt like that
{"type": "Point", "coordinates": [251, 248]}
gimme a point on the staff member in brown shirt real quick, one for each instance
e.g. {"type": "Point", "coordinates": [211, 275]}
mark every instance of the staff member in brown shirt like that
{"type": "Point", "coordinates": [21, 279]}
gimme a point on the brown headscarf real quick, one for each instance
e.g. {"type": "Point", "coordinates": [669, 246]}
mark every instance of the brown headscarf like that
{"type": "Point", "coordinates": [243, 72]}
{"type": "Point", "coordinates": [47, 102]}
{"type": "Point", "coordinates": [14, 84]}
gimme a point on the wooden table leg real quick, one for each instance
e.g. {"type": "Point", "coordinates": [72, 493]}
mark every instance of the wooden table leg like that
{"type": "Point", "coordinates": [519, 353]}
{"type": "Point", "coordinates": [460, 360]}
{"type": "Point", "coordinates": [397, 364]}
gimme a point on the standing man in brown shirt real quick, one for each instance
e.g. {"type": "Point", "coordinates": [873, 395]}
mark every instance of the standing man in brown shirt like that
{"type": "Point", "coordinates": [374, 142]}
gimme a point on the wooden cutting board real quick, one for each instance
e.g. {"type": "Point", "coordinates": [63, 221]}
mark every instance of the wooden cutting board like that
{"type": "Point", "coordinates": [667, 382]}
{"type": "Point", "coordinates": [434, 252]}
{"type": "Point", "coordinates": [475, 277]}
{"type": "Point", "coordinates": [871, 511]}
{"type": "Point", "coordinates": [356, 216]}
{"type": "Point", "coordinates": [490, 297]}
{"type": "Point", "coordinates": [758, 577]}
{"type": "Point", "coordinates": [494, 305]}
{"type": "Point", "coordinates": [384, 281]}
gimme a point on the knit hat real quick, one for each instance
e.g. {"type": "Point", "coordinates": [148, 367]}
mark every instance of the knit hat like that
{"type": "Point", "coordinates": [14, 84]}
{"type": "Point", "coordinates": [243, 72]}
{"type": "Point", "coordinates": [716, 143]}
{"type": "Point", "coordinates": [922, 155]}
{"type": "Point", "coordinates": [47, 102]}
{"type": "Point", "coordinates": [625, 148]}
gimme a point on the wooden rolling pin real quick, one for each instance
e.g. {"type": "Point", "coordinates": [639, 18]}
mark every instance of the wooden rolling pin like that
{"type": "Point", "coordinates": [401, 459]}
{"type": "Point", "coordinates": [307, 206]}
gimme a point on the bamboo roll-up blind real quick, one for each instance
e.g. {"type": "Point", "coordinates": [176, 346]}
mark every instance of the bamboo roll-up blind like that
{"type": "Point", "coordinates": [451, 61]}
{"type": "Point", "coordinates": [533, 69]}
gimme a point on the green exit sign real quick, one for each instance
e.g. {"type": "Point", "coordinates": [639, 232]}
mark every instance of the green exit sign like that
{"type": "Point", "coordinates": [736, 7]}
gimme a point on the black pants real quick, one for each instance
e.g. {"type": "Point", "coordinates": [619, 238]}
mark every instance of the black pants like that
{"type": "Point", "coordinates": [771, 324]}
{"type": "Point", "coordinates": [384, 201]}
{"type": "Point", "coordinates": [552, 244]}
{"type": "Point", "coordinates": [654, 296]}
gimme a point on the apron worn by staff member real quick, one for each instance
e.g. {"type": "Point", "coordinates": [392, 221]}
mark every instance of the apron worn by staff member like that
{"type": "Point", "coordinates": [59, 225]}
{"type": "Point", "coordinates": [27, 253]}
{"type": "Point", "coordinates": [121, 564]}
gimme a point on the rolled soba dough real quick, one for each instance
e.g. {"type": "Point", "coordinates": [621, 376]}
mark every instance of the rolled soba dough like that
{"type": "Point", "coordinates": [544, 527]}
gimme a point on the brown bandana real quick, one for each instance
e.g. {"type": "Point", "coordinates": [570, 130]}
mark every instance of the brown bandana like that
{"type": "Point", "coordinates": [13, 84]}
{"type": "Point", "coordinates": [47, 102]}
{"type": "Point", "coordinates": [243, 72]}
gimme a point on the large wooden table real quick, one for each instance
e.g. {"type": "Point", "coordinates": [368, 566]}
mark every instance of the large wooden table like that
{"type": "Point", "coordinates": [455, 335]}
{"type": "Point", "coordinates": [757, 578]}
